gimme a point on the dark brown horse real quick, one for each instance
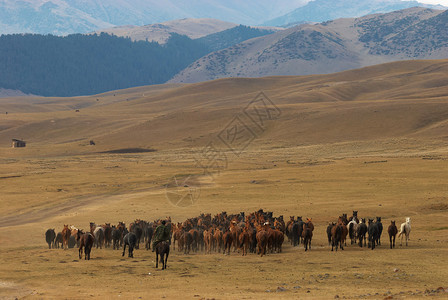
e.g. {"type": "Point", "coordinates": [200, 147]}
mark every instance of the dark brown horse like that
{"type": "Point", "coordinates": [227, 238]}
{"type": "Point", "coordinates": [162, 249]}
{"type": "Point", "coordinates": [336, 236]}
{"type": "Point", "coordinates": [307, 234]}
{"type": "Point", "coordinates": [392, 230]}
{"type": "Point", "coordinates": [85, 241]}
{"type": "Point", "coordinates": [262, 240]}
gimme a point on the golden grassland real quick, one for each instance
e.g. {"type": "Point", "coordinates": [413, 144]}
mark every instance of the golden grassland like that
{"type": "Point", "coordinates": [373, 140]}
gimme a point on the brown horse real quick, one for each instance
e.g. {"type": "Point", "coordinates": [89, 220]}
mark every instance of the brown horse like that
{"type": "Point", "coordinates": [343, 220]}
{"type": "Point", "coordinates": [227, 239]}
{"type": "Point", "coordinates": [162, 249]}
{"type": "Point", "coordinates": [262, 240]}
{"type": "Point", "coordinates": [187, 241]}
{"type": "Point", "coordinates": [65, 236]}
{"type": "Point", "coordinates": [307, 234]}
{"type": "Point", "coordinates": [392, 230]}
{"type": "Point", "coordinates": [85, 241]}
{"type": "Point", "coordinates": [208, 240]}
{"type": "Point", "coordinates": [217, 237]}
{"type": "Point", "coordinates": [336, 236]}
{"type": "Point", "coordinates": [58, 240]}
{"type": "Point", "coordinates": [244, 240]}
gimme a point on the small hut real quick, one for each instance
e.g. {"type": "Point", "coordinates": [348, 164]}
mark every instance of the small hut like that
{"type": "Point", "coordinates": [18, 143]}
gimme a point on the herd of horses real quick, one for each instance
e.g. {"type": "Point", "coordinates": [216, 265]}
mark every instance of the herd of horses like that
{"type": "Point", "coordinates": [360, 232]}
{"type": "Point", "coordinates": [258, 232]}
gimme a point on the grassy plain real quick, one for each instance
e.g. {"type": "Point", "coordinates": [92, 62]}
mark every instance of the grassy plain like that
{"type": "Point", "coordinates": [373, 140]}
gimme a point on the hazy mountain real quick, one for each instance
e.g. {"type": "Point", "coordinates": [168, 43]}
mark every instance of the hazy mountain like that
{"type": "Point", "coordinates": [193, 28]}
{"type": "Point", "coordinates": [82, 16]}
{"type": "Point", "coordinates": [325, 10]}
{"type": "Point", "coordinates": [329, 47]}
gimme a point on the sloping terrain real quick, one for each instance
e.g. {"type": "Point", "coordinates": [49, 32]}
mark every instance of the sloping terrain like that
{"type": "Point", "coordinates": [329, 47]}
{"type": "Point", "coordinates": [372, 140]}
{"type": "Point", "coordinates": [165, 115]}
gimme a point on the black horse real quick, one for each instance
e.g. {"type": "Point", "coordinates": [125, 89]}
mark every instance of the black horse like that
{"type": "Point", "coordinates": [50, 236]}
{"type": "Point", "coordinates": [162, 249]}
{"type": "Point", "coordinates": [373, 234]}
{"type": "Point", "coordinates": [380, 229]}
{"type": "Point", "coordinates": [116, 236]}
{"type": "Point", "coordinates": [129, 239]}
{"type": "Point", "coordinates": [362, 231]}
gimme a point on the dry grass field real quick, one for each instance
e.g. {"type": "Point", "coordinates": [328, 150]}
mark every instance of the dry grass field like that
{"type": "Point", "coordinates": [373, 140]}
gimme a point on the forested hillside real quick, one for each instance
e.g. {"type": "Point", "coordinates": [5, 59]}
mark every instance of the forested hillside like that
{"type": "Point", "coordinates": [78, 64]}
{"type": "Point", "coordinates": [87, 64]}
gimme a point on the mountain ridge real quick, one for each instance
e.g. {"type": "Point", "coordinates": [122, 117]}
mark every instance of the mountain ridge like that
{"type": "Point", "coordinates": [323, 48]}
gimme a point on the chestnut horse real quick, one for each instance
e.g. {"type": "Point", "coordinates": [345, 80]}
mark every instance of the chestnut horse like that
{"type": "Point", "coordinates": [65, 236]}
{"type": "Point", "coordinates": [244, 240]}
{"type": "Point", "coordinates": [262, 240]}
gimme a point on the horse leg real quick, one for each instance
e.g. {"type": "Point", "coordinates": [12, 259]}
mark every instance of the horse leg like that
{"type": "Point", "coordinates": [124, 249]}
{"type": "Point", "coordinates": [157, 258]}
{"type": "Point", "coordinates": [166, 258]}
{"type": "Point", "coordinates": [80, 252]}
{"type": "Point", "coordinates": [390, 241]}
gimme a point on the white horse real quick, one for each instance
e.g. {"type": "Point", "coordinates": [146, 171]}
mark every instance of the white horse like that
{"type": "Point", "coordinates": [354, 232]}
{"type": "Point", "coordinates": [405, 229]}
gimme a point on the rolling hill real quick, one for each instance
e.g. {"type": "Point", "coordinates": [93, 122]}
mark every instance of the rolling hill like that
{"type": "Point", "coordinates": [394, 101]}
{"type": "Point", "coordinates": [414, 33]}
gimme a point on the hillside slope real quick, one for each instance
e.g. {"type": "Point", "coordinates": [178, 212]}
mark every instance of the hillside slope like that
{"type": "Point", "coordinates": [402, 100]}
{"type": "Point", "coordinates": [329, 47]}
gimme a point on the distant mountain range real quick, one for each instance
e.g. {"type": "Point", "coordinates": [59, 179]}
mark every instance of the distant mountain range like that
{"type": "Point", "coordinates": [193, 28]}
{"type": "Point", "coordinates": [415, 33]}
{"type": "Point", "coordinates": [326, 10]}
{"type": "Point", "coordinates": [63, 17]}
